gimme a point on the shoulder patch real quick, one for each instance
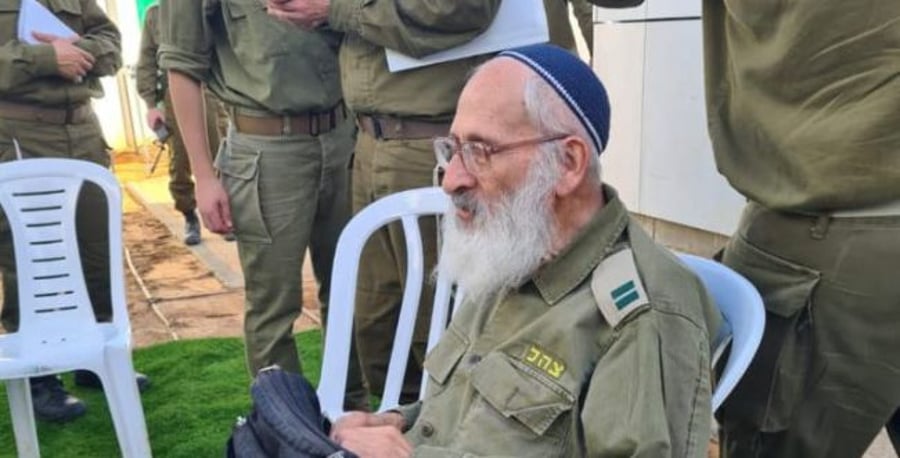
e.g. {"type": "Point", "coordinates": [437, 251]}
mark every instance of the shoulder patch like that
{"type": "Point", "coordinates": [617, 287]}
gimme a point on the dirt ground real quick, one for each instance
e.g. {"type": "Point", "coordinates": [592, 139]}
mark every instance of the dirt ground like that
{"type": "Point", "coordinates": [172, 294]}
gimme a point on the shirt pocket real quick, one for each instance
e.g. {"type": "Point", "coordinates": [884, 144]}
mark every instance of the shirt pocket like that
{"type": "Point", "coordinates": [519, 405]}
{"type": "Point", "coordinates": [68, 11]}
{"type": "Point", "coordinates": [9, 13]}
{"type": "Point", "coordinates": [253, 34]}
{"type": "Point", "coordinates": [444, 357]}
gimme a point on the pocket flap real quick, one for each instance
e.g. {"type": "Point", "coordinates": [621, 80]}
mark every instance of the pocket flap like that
{"type": "Point", "coordinates": [68, 6]}
{"type": "Point", "coordinates": [237, 10]}
{"type": "Point", "coordinates": [242, 165]}
{"type": "Point", "coordinates": [9, 6]}
{"type": "Point", "coordinates": [513, 389]}
{"type": "Point", "coordinates": [444, 356]}
{"type": "Point", "coordinates": [785, 286]}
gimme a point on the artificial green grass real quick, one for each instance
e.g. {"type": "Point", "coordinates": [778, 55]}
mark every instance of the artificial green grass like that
{"type": "Point", "coordinates": [199, 389]}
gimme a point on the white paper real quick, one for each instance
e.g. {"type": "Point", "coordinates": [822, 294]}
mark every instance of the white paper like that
{"type": "Point", "coordinates": [517, 23]}
{"type": "Point", "coordinates": [34, 17]}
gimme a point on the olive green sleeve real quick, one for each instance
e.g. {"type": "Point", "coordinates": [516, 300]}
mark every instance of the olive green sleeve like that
{"type": "Point", "coordinates": [20, 63]}
{"type": "Point", "coordinates": [584, 14]}
{"type": "Point", "coordinates": [409, 412]}
{"type": "Point", "coordinates": [185, 39]}
{"type": "Point", "coordinates": [624, 413]}
{"type": "Point", "coordinates": [101, 39]}
{"type": "Point", "coordinates": [147, 72]}
{"type": "Point", "coordinates": [413, 27]}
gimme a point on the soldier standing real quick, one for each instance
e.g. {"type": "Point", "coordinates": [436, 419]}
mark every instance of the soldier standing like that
{"type": "Point", "coordinates": [284, 165]}
{"type": "Point", "coordinates": [153, 88]}
{"type": "Point", "coordinates": [45, 93]}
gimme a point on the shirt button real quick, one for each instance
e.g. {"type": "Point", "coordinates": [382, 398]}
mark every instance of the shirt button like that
{"type": "Point", "coordinates": [427, 429]}
{"type": "Point", "coordinates": [474, 359]}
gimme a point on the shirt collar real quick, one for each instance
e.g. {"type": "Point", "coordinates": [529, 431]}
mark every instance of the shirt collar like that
{"type": "Point", "coordinates": [566, 271]}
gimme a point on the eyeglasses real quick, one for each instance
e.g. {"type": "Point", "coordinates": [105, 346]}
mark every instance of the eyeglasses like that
{"type": "Point", "coordinates": [476, 155]}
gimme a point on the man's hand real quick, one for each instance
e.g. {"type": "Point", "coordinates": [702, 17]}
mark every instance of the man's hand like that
{"type": "Point", "coordinates": [212, 201]}
{"type": "Point", "coordinates": [372, 435]}
{"type": "Point", "coordinates": [72, 62]}
{"type": "Point", "coordinates": [155, 116]}
{"type": "Point", "coordinates": [308, 14]}
{"type": "Point", "coordinates": [374, 442]}
{"type": "Point", "coordinates": [365, 419]}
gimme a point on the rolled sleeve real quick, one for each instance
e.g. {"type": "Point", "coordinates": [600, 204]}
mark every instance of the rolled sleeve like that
{"type": "Point", "coordinates": [186, 44]}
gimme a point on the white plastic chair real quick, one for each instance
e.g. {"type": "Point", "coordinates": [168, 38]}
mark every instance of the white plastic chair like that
{"type": "Point", "coordinates": [57, 329]}
{"type": "Point", "coordinates": [744, 314]}
{"type": "Point", "coordinates": [407, 206]}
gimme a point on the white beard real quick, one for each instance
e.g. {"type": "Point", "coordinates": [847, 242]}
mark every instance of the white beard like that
{"type": "Point", "coordinates": [506, 242]}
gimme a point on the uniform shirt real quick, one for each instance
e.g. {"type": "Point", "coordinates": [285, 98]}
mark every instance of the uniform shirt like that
{"type": "Point", "coordinates": [28, 73]}
{"type": "Point", "coordinates": [803, 100]}
{"type": "Point", "coordinates": [151, 82]}
{"type": "Point", "coordinates": [543, 372]}
{"type": "Point", "coordinates": [415, 28]}
{"type": "Point", "coordinates": [248, 58]}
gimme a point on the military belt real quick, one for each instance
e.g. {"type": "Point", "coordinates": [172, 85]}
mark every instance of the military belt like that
{"type": "Point", "coordinates": [884, 209]}
{"type": "Point", "coordinates": [390, 128]}
{"type": "Point", "coordinates": [26, 112]}
{"type": "Point", "coordinates": [300, 124]}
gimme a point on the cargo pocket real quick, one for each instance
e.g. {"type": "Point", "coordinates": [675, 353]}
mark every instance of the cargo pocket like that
{"type": "Point", "coordinates": [239, 169]}
{"type": "Point", "coordinates": [784, 356]}
{"type": "Point", "coordinates": [517, 406]}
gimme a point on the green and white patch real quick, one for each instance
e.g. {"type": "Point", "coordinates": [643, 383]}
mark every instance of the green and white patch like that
{"type": "Point", "coordinates": [617, 287]}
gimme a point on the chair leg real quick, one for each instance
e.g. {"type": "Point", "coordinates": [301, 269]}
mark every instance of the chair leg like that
{"type": "Point", "coordinates": [124, 402]}
{"type": "Point", "coordinates": [20, 408]}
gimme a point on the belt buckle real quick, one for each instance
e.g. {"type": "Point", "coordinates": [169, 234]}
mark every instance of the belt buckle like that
{"type": "Point", "coordinates": [315, 127]}
{"type": "Point", "coordinates": [376, 127]}
{"type": "Point", "coordinates": [285, 125]}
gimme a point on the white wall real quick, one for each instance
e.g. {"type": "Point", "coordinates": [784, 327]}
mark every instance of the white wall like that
{"type": "Point", "coordinates": [659, 156]}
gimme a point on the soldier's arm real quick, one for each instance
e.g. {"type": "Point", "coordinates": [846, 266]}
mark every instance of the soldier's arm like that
{"type": "Point", "coordinates": [623, 413]}
{"type": "Point", "coordinates": [413, 27]}
{"type": "Point", "coordinates": [101, 39]}
{"type": "Point", "coordinates": [147, 70]}
{"type": "Point", "coordinates": [21, 63]}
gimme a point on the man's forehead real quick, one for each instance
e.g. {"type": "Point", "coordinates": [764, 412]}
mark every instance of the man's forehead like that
{"type": "Point", "coordinates": [495, 91]}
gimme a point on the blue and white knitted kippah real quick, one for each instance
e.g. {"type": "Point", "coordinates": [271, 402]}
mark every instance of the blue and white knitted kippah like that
{"type": "Point", "coordinates": [574, 81]}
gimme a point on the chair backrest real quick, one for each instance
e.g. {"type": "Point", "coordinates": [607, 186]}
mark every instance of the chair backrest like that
{"type": "Point", "coordinates": [39, 198]}
{"type": "Point", "coordinates": [408, 207]}
{"type": "Point", "coordinates": [745, 318]}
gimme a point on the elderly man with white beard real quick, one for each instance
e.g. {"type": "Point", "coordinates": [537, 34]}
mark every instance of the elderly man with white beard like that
{"type": "Point", "coordinates": [578, 336]}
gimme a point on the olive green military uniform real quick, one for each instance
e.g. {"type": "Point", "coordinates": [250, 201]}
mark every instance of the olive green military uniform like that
{"type": "Point", "coordinates": [605, 351]}
{"type": "Point", "coordinates": [804, 108]}
{"type": "Point", "coordinates": [152, 87]}
{"type": "Point", "coordinates": [288, 187]}
{"type": "Point", "coordinates": [51, 116]}
{"type": "Point", "coordinates": [560, 27]}
{"type": "Point", "coordinates": [398, 114]}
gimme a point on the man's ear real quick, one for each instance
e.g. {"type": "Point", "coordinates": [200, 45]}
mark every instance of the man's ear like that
{"type": "Point", "coordinates": [576, 159]}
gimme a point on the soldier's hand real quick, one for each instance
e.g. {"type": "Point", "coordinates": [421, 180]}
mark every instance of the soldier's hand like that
{"type": "Point", "coordinates": [363, 419]}
{"type": "Point", "coordinates": [72, 62]}
{"type": "Point", "coordinates": [308, 14]}
{"type": "Point", "coordinates": [155, 116]}
{"type": "Point", "coordinates": [212, 202]}
{"type": "Point", "coordinates": [375, 442]}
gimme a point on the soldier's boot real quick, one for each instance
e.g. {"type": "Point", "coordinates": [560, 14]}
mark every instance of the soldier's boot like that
{"type": "Point", "coordinates": [88, 379]}
{"type": "Point", "coordinates": [191, 228]}
{"type": "Point", "coordinates": [51, 402]}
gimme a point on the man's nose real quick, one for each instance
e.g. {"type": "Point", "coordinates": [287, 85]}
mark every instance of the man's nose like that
{"type": "Point", "coordinates": [456, 177]}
